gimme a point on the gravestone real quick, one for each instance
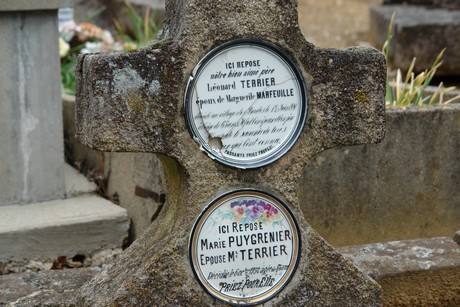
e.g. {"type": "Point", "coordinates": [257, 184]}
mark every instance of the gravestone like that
{"type": "Point", "coordinates": [235, 102]}
{"type": "Point", "coordinates": [32, 150]}
{"type": "Point", "coordinates": [46, 207]}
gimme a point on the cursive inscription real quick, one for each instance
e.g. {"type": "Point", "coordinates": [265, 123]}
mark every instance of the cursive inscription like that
{"type": "Point", "coordinates": [246, 246]}
{"type": "Point", "coordinates": [250, 99]}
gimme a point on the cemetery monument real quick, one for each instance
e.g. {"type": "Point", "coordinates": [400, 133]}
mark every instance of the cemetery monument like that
{"type": "Point", "coordinates": [235, 102]}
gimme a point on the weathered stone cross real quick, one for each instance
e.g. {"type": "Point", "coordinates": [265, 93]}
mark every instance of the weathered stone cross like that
{"type": "Point", "coordinates": [135, 102]}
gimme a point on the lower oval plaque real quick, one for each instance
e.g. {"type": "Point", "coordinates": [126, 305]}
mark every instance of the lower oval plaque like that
{"type": "Point", "coordinates": [245, 247]}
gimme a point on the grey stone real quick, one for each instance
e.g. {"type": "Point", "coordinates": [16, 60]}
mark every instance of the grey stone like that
{"type": "Point", "coordinates": [155, 4]}
{"type": "Point", "coordinates": [381, 260]}
{"type": "Point", "coordinates": [338, 180]}
{"type": "Point", "coordinates": [77, 184]}
{"type": "Point", "coordinates": [84, 159]}
{"type": "Point", "coordinates": [346, 96]}
{"type": "Point", "coordinates": [419, 32]}
{"type": "Point", "coordinates": [36, 5]}
{"type": "Point", "coordinates": [449, 4]}
{"type": "Point", "coordinates": [137, 181]}
{"type": "Point", "coordinates": [414, 272]}
{"type": "Point", "coordinates": [403, 188]}
{"type": "Point", "coordinates": [47, 288]}
{"type": "Point", "coordinates": [422, 271]}
{"type": "Point", "coordinates": [75, 226]}
{"type": "Point", "coordinates": [457, 237]}
{"type": "Point", "coordinates": [124, 171]}
{"type": "Point", "coordinates": [30, 109]}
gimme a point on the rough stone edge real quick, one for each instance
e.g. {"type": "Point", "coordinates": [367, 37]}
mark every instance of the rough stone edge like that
{"type": "Point", "coordinates": [381, 260]}
{"type": "Point", "coordinates": [457, 237]}
{"type": "Point", "coordinates": [95, 252]}
{"type": "Point", "coordinates": [421, 272]}
{"type": "Point", "coordinates": [46, 288]}
{"type": "Point", "coordinates": [73, 215]}
{"type": "Point", "coordinates": [96, 259]}
{"type": "Point", "coordinates": [58, 287]}
{"type": "Point", "coordinates": [76, 184]}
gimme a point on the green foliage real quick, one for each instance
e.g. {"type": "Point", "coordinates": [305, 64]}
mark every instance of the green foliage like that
{"type": "Point", "coordinates": [68, 74]}
{"type": "Point", "coordinates": [145, 28]}
{"type": "Point", "coordinates": [68, 63]}
{"type": "Point", "coordinates": [86, 37]}
{"type": "Point", "coordinates": [386, 52]}
{"type": "Point", "coordinates": [94, 14]}
{"type": "Point", "coordinates": [413, 89]}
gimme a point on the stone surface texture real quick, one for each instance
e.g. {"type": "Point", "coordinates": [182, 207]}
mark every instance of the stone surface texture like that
{"type": "Point", "coordinates": [31, 148]}
{"type": "Point", "coordinates": [415, 272]}
{"type": "Point", "coordinates": [457, 237]}
{"type": "Point", "coordinates": [422, 272]}
{"type": "Point", "coordinates": [75, 226]}
{"type": "Point", "coordinates": [137, 182]}
{"type": "Point", "coordinates": [420, 32]}
{"type": "Point", "coordinates": [85, 158]}
{"type": "Point", "coordinates": [120, 108]}
{"type": "Point", "coordinates": [47, 288]}
{"type": "Point", "coordinates": [450, 4]}
{"type": "Point", "coordinates": [76, 184]}
{"type": "Point", "coordinates": [124, 172]}
{"type": "Point", "coordinates": [404, 188]}
{"type": "Point", "coordinates": [336, 23]}
{"type": "Point", "coordinates": [32, 236]}
{"type": "Point", "coordinates": [36, 5]}
{"type": "Point", "coordinates": [331, 24]}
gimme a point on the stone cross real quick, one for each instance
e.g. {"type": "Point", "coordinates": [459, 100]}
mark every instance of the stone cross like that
{"type": "Point", "coordinates": [135, 102]}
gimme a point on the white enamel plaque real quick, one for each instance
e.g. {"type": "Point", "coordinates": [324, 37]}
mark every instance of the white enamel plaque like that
{"type": "Point", "coordinates": [245, 247]}
{"type": "Point", "coordinates": [246, 103]}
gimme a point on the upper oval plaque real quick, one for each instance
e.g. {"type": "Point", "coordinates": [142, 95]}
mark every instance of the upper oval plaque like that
{"type": "Point", "coordinates": [246, 103]}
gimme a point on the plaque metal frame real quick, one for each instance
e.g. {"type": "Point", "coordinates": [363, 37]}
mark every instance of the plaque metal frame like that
{"type": "Point", "coordinates": [282, 148]}
{"type": "Point", "coordinates": [202, 219]}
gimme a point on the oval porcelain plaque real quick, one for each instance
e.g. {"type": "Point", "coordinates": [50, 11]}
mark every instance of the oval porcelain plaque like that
{"type": "Point", "coordinates": [245, 247]}
{"type": "Point", "coordinates": [245, 103]}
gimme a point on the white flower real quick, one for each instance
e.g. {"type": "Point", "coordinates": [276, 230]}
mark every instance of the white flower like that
{"type": "Point", "coordinates": [91, 47]}
{"type": "Point", "coordinates": [107, 37]}
{"type": "Point", "coordinates": [67, 30]}
{"type": "Point", "coordinates": [63, 48]}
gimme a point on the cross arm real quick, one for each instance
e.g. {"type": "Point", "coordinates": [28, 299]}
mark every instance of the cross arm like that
{"type": "Point", "coordinates": [123, 99]}
{"type": "Point", "coordinates": [347, 95]}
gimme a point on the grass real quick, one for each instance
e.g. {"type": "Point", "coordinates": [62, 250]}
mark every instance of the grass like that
{"type": "Point", "coordinates": [412, 90]}
{"type": "Point", "coordinates": [145, 28]}
{"type": "Point", "coordinates": [68, 78]}
{"type": "Point", "coordinates": [68, 75]}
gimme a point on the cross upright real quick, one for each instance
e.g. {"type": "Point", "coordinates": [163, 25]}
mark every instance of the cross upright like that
{"type": "Point", "coordinates": [155, 100]}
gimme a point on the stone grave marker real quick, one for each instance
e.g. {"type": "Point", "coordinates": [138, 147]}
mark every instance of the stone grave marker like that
{"type": "Point", "coordinates": [44, 203]}
{"type": "Point", "coordinates": [235, 102]}
{"type": "Point", "coordinates": [32, 151]}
